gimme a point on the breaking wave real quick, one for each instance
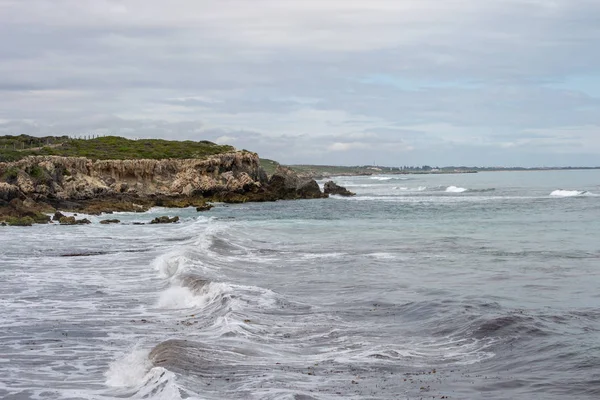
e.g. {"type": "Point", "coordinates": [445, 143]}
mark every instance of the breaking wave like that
{"type": "Point", "coordinates": [569, 193]}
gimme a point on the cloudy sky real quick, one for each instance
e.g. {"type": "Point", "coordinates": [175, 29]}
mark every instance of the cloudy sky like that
{"type": "Point", "coordinates": [392, 82]}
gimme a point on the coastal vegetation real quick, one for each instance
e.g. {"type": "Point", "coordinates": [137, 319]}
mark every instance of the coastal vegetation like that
{"type": "Point", "coordinates": [14, 148]}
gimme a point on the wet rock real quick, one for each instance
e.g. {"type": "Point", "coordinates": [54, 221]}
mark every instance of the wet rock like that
{"type": "Point", "coordinates": [164, 220]}
{"type": "Point", "coordinates": [67, 221]}
{"type": "Point", "coordinates": [110, 221]}
{"type": "Point", "coordinates": [204, 207]}
{"type": "Point", "coordinates": [73, 221]}
{"type": "Point", "coordinates": [57, 216]}
{"type": "Point", "coordinates": [333, 188]}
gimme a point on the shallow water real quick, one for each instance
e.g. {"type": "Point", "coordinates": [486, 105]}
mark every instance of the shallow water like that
{"type": "Point", "coordinates": [467, 286]}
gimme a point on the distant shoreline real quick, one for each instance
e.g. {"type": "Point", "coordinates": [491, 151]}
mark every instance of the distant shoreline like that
{"type": "Point", "coordinates": [327, 171]}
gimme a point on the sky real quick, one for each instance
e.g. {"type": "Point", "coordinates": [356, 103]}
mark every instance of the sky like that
{"type": "Point", "coordinates": [347, 82]}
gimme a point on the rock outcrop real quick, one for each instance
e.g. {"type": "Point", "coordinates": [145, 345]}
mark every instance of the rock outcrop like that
{"type": "Point", "coordinates": [331, 187]}
{"type": "Point", "coordinates": [286, 184]}
{"type": "Point", "coordinates": [82, 184]}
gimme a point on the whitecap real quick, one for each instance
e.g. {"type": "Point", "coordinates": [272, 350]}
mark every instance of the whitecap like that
{"type": "Point", "coordinates": [567, 193]}
{"type": "Point", "coordinates": [455, 189]}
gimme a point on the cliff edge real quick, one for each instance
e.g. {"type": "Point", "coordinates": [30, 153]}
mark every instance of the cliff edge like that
{"type": "Point", "coordinates": [44, 183]}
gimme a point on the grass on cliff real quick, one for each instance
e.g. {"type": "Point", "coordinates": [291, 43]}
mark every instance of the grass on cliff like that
{"type": "Point", "coordinates": [13, 148]}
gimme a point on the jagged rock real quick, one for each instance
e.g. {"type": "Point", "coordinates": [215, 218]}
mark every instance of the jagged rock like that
{"type": "Point", "coordinates": [286, 184]}
{"type": "Point", "coordinates": [110, 221]}
{"type": "Point", "coordinates": [164, 220]}
{"type": "Point", "coordinates": [83, 221]}
{"type": "Point", "coordinates": [333, 188]}
{"type": "Point", "coordinates": [57, 216]}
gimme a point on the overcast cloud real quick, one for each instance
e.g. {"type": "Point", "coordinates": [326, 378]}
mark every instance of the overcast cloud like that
{"type": "Point", "coordinates": [392, 82]}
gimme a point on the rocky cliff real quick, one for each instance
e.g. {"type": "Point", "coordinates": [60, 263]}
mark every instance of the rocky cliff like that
{"type": "Point", "coordinates": [108, 185]}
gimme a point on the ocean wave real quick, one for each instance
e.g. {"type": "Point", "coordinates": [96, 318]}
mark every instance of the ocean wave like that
{"type": "Point", "coordinates": [381, 178]}
{"type": "Point", "coordinates": [134, 376]}
{"type": "Point", "coordinates": [409, 189]}
{"type": "Point", "coordinates": [569, 193]}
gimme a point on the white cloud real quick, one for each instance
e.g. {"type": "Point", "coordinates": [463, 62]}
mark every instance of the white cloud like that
{"type": "Point", "coordinates": [345, 146]}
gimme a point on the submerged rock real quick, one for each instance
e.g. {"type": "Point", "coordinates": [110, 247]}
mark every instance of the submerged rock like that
{"type": "Point", "coordinates": [164, 220]}
{"type": "Point", "coordinates": [333, 188]}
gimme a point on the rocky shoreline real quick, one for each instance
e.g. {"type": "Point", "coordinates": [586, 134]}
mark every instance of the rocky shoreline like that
{"type": "Point", "coordinates": [35, 187]}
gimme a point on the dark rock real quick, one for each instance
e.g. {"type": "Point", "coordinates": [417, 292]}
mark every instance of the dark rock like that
{"type": "Point", "coordinates": [333, 188]}
{"type": "Point", "coordinates": [204, 207]}
{"type": "Point", "coordinates": [164, 220]}
{"type": "Point", "coordinates": [57, 216]}
{"type": "Point", "coordinates": [109, 221]}
{"type": "Point", "coordinates": [286, 184]}
{"type": "Point", "coordinates": [138, 223]}
{"type": "Point", "coordinates": [9, 192]}
{"type": "Point", "coordinates": [72, 221]}
{"type": "Point", "coordinates": [3, 224]}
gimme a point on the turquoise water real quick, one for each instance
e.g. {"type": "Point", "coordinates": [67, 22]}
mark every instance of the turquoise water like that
{"type": "Point", "coordinates": [468, 286]}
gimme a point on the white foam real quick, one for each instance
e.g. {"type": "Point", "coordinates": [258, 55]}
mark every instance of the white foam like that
{"type": "Point", "coordinates": [171, 264]}
{"type": "Point", "coordinates": [381, 178]}
{"type": "Point", "coordinates": [455, 189]}
{"type": "Point", "coordinates": [129, 370]}
{"type": "Point", "coordinates": [567, 193]}
{"type": "Point", "coordinates": [178, 297]}
{"type": "Point", "coordinates": [409, 189]}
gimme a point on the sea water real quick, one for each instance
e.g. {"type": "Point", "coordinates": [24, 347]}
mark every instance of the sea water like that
{"type": "Point", "coordinates": [467, 286]}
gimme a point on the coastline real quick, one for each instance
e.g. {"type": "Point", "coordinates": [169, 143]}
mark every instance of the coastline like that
{"type": "Point", "coordinates": [36, 186]}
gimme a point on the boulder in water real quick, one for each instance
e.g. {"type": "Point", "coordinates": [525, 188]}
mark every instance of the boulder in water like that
{"type": "Point", "coordinates": [109, 221]}
{"type": "Point", "coordinates": [67, 220]}
{"type": "Point", "coordinates": [164, 220]}
{"type": "Point", "coordinates": [333, 188]}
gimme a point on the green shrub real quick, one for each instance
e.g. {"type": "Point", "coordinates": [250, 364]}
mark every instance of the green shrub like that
{"type": "Point", "coordinates": [11, 174]}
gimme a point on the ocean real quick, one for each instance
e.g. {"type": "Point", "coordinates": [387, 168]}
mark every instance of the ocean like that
{"type": "Point", "coordinates": [466, 286]}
